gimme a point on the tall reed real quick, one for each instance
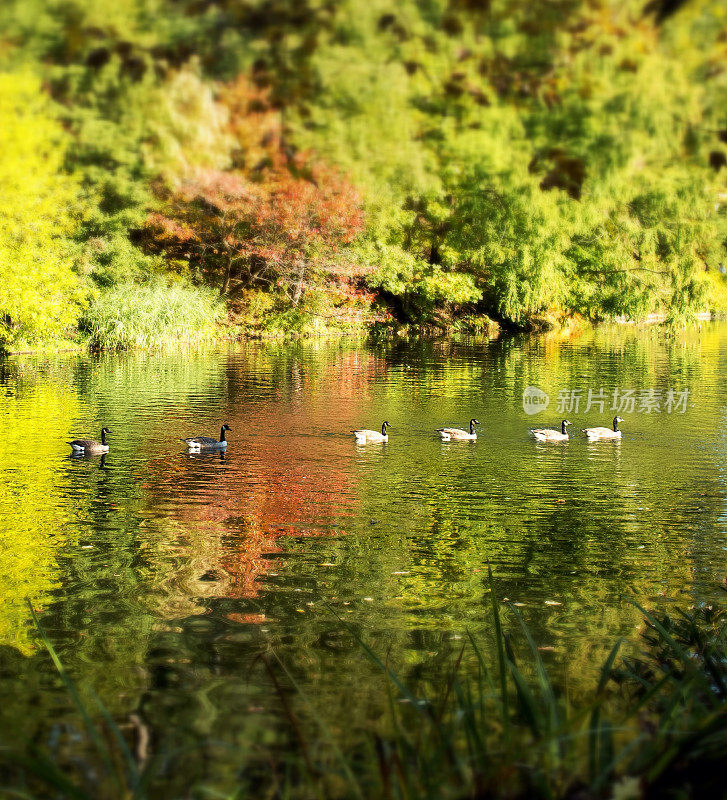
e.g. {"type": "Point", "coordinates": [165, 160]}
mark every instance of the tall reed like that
{"type": "Point", "coordinates": [152, 316]}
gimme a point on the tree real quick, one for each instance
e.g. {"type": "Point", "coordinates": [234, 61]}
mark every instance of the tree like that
{"type": "Point", "coordinates": [40, 294]}
{"type": "Point", "coordinates": [503, 149]}
{"type": "Point", "coordinates": [285, 231]}
{"type": "Point", "coordinates": [520, 144]}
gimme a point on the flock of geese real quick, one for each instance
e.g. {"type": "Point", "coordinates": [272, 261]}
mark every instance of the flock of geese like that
{"type": "Point", "coordinates": [365, 436]}
{"type": "Point", "coordinates": [195, 444]}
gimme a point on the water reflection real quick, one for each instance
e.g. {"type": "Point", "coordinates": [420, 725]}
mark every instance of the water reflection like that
{"type": "Point", "coordinates": [81, 456]}
{"type": "Point", "coordinates": [163, 575]}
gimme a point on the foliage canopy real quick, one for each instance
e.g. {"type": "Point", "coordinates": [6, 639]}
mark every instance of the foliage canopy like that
{"type": "Point", "coordinates": [509, 158]}
{"type": "Point", "coordinates": [39, 292]}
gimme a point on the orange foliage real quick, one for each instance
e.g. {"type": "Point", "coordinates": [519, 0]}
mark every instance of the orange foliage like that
{"type": "Point", "coordinates": [281, 223]}
{"type": "Point", "coordinates": [271, 486]}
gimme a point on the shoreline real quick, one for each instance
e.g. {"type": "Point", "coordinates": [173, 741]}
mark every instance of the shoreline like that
{"type": "Point", "coordinates": [472, 326]}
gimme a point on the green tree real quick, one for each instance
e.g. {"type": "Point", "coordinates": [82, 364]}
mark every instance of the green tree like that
{"type": "Point", "coordinates": [514, 158]}
{"type": "Point", "coordinates": [525, 147]}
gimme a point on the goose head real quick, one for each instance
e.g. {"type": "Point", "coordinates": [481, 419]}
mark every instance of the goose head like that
{"type": "Point", "coordinates": [473, 422]}
{"type": "Point", "coordinates": [564, 424]}
{"type": "Point", "coordinates": [616, 421]}
{"type": "Point", "coordinates": [384, 426]}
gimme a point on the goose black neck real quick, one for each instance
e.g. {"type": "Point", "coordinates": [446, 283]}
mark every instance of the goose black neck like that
{"type": "Point", "coordinates": [222, 433]}
{"type": "Point", "coordinates": [615, 424]}
{"type": "Point", "coordinates": [472, 427]}
{"type": "Point", "coordinates": [103, 436]}
{"type": "Point", "coordinates": [383, 429]}
{"type": "Point", "coordinates": [563, 428]}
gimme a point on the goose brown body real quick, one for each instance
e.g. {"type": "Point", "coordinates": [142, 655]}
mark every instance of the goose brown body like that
{"type": "Point", "coordinates": [208, 442]}
{"type": "Point", "coordinates": [459, 434]}
{"type": "Point", "coordinates": [366, 436]}
{"type": "Point", "coordinates": [551, 434]}
{"type": "Point", "coordinates": [90, 446]}
{"type": "Point", "coordinates": [595, 434]}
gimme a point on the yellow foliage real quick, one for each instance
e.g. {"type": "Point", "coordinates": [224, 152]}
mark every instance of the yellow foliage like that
{"type": "Point", "coordinates": [34, 521]}
{"type": "Point", "coordinates": [39, 292]}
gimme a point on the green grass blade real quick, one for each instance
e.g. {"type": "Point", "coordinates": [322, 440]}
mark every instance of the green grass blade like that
{"type": "Point", "coordinates": [716, 721]}
{"type": "Point", "coordinates": [662, 631]}
{"type": "Point", "coordinates": [71, 689]}
{"type": "Point", "coordinates": [400, 685]}
{"type": "Point", "coordinates": [136, 783]}
{"type": "Point", "coordinates": [41, 767]}
{"type": "Point", "coordinates": [501, 658]}
{"type": "Point", "coordinates": [482, 662]}
{"type": "Point", "coordinates": [595, 759]}
{"type": "Point", "coordinates": [323, 727]}
{"type": "Point", "coordinates": [546, 687]}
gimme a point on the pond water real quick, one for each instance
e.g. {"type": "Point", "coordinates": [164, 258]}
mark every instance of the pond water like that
{"type": "Point", "coordinates": [167, 580]}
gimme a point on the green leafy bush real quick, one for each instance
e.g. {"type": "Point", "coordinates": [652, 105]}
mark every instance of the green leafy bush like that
{"type": "Point", "coordinates": [418, 288]}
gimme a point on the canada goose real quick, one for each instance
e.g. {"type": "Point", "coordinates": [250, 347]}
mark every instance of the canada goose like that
{"type": "Point", "coordinates": [363, 436]}
{"type": "Point", "coordinates": [604, 433]}
{"type": "Point", "coordinates": [207, 442]}
{"type": "Point", "coordinates": [91, 446]}
{"type": "Point", "coordinates": [550, 434]}
{"type": "Point", "coordinates": [458, 434]}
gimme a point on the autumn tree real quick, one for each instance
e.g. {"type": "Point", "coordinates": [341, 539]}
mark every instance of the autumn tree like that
{"type": "Point", "coordinates": [279, 224]}
{"type": "Point", "coordinates": [513, 158]}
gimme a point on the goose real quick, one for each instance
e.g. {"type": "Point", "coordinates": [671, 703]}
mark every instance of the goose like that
{"type": "Point", "coordinates": [550, 434]}
{"type": "Point", "coordinates": [458, 434]}
{"type": "Point", "coordinates": [594, 434]}
{"type": "Point", "coordinates": [207, 442]}
{"type": "Point", "coordinates": [363, 436]}
{"type": "Point", "coordinates": [91, 446]}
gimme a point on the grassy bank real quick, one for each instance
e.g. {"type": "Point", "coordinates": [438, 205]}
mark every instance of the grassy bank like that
{"type": "Point", "coordinates": [132, 316]}
{"type": "Point", "coordinates": [654, 725]}
{"type": "Point", "coordinates": [158, 316]}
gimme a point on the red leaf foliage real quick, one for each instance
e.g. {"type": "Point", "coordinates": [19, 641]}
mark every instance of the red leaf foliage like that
{"type": "Point", "coordinates": [280, 222]}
